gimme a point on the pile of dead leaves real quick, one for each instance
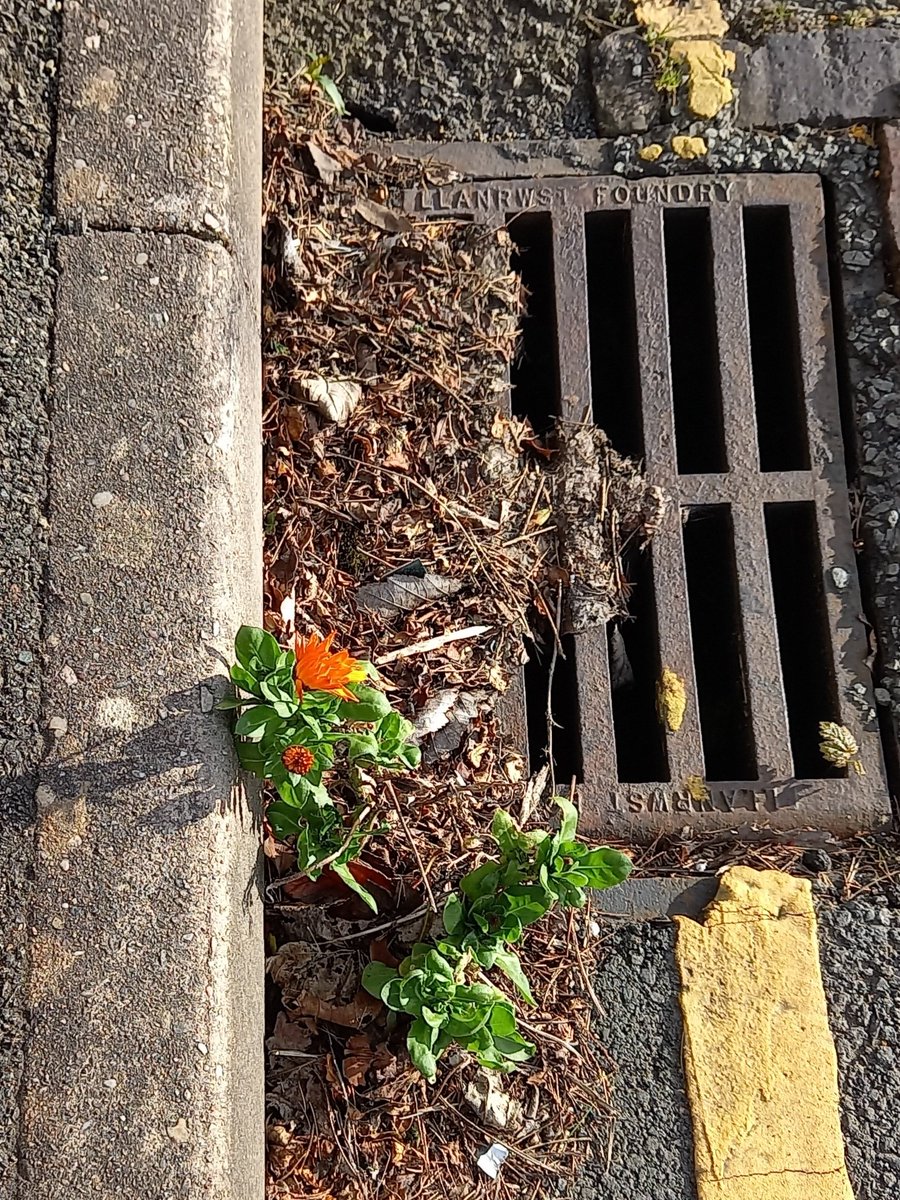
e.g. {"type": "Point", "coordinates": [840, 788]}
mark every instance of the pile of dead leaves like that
{"type": "Point", "coordinates": [409, 511]}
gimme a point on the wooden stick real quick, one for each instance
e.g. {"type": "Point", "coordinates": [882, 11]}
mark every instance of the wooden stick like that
{"type": "Point", "coordinates": [435, 643]}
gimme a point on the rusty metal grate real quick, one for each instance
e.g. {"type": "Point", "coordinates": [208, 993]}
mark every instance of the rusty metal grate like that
{"type": "Point", "coordinates": [724, 377]}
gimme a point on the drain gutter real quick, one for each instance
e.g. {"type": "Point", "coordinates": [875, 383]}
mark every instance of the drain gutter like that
{"type": "Point", "coordinates": [143, 1064]}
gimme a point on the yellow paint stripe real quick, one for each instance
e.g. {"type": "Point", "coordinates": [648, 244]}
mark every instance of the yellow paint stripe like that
{"type": "Point", "coordinates": [759, 1057]}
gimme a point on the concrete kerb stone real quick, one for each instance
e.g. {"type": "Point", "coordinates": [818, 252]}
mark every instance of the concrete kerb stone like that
{"type": "Point", "coordinates": [144, 1065]}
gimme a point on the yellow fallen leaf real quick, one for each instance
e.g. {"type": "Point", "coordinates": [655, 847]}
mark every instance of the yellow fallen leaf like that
{"type": "Point", "coordinates": [671, 699]}
{"type": "Point", "coordinates": [689, 147]}
{"type": "Point", "coordinates": [861, 133]}
{"type": "Point", "coordinates": [650, 153]}
{"type": "Point", "coordinates": [541, 517]}
{"type": "Point", "coordinates": [708, 66]}
{"type": "Point", "coordinates": [675, 19]}
{"type": "Point", "coordinates": [839, 747]}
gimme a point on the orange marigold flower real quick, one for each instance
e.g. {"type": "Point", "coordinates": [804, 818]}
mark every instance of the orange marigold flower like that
{"type": "Point", "coordinates": [298, 760]}
{"type": "Point", "coordinates": [321, 671]}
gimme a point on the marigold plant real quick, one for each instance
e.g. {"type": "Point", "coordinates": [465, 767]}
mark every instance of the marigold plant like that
{"type": "Point", "coordinates": [306, 713]}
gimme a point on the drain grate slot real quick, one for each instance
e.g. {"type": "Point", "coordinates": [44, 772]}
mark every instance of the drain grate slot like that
{"type": "Point", "coordinates": [803, 636]}
{"type": "Point", "coordinates": [774, 340]}
{"type": "Point", "coordinates": [615, 374]}
{"type": "Point", "coordinates": [639, 742]}
{"type": "Point", "coordinates": [563, 709]}
{"type": "Point", "coordinates": [717, 638]}
{"type": "Point", "coordinates": [693, 341]}
{"type": "Point", "coordinates": [534, 373]}
{"type": "Point", "coordinates": [691, 320]}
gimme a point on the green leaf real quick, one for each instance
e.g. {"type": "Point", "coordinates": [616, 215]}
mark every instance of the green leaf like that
{"type": "Point", "coordinates": [377, 977]}
{"type": "Point", "coordinates": [252, 644]}
{"type": "Point", "coordinates": [335, 99]}
{"type": "Point", "coordinates": [232, 702]}
{"type": "Point", "coordinates": [245, 679]}
{"type": "Point", "coordinates": [432, 1018]}
{"type": "Point", "coordinates": [508, 962]}
{"type": "Point", "coordinates": [285, 819]}
{"type": "Point", "coordinates": [255, 720]}
{"type": "Point", "coordinates": [514, 1048]}
{"type": "Point", "coordinates": [509, 837]}
{"type": "Point", "coordinates": [569, 823]}
{"type": "Point", "coordinates": [361, 745]}
{"type": "Point", "coordinates": [419, 1042]}
{"type": "Point", "coordinates": [502, 1021]}
{"type": "Point", "coordinates": [453, 913]}
{"type": "Point", "coordinates": [604, 867]}
{"type": "Point", "coordinates": [437, 965]}
{"type": "Point", "coordinates": [251, 758]}
{"type": "Point", "coordinates": [482, 881]}
{"type": "Point", "coordinates": [343, 871]}
{"type": "Point", "coordinates": [370, 705]}
{"type": "Point", "coordinates": [411, 755]}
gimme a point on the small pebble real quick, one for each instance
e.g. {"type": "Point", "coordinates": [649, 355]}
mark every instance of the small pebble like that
{"type": "Point", "coordinates": [101, 499]}
{"type": "Point", "coordinates": [817, 861]}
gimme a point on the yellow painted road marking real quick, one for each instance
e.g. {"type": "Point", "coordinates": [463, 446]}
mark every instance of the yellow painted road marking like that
{"type": "Point", "coordinates": [759, 1057]}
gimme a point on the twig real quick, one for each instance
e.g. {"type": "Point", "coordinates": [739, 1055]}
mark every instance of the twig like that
{"type": "Point", "coordinates": [435, 643]}
{"type": "Point", "coordinates": [534, 533]}
{"type": "Point", "coordinates": [326, 862]}
{"type": "Point", "coordinates": [389, 787]}
{"type": "Point", "coordinates": [360, 817]}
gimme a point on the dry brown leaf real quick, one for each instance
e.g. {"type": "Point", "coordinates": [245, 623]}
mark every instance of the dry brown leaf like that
{"type": "Point", "coordinates": [335, 399]}
{"type": "Point", "coordinates": [353, 1015]}
{"type": "Point", "coordinates": [381, 217]}
{"type": "Point", "coordinates": [288, 1035]}
{"type": "Point", "coordinates": [401, 593]}
{"type": "Point", "coordinates": [328, 168]}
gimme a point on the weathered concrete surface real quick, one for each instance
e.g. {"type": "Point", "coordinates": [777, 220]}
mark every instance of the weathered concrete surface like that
{"type": "Point", "coordinates": [28, 39]}
{"type": "Point", "coordinates": [144, 1064]}
{"type": "Point", "coordinates": [131, 950]}
{"type": "Point", "coordinates": [153, 101]}
{"type": "Point", "coordinates": [822, 78]}
{"type": "Point", "coordinates": [455, 69]}
{"type": "Point", "coordinates": [647, 898]}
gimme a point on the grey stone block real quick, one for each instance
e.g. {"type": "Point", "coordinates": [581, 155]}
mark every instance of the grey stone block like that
{"type": "Point", "coordinates": [144, 1064]}
{"type": "Point", "coordinates": [825, 78]}
{"type": "Point", "coordinates": [626, 99]}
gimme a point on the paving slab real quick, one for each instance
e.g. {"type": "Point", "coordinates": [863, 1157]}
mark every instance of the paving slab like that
{"type": "Point", "coordinates": [832, 77]}
{"type": "Point", "coordinates": [152, 129]}
{"type": "Point", "coordinates": [144, 1066]}
{"type": "Point", "coordinates": [131, 975]}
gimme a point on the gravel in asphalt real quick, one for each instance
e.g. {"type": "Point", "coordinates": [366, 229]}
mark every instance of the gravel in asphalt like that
{"type": "Point", "coordinates": [28, 38]}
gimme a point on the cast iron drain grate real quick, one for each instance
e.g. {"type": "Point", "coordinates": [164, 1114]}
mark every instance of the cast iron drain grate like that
{"type": "Point", "coordinates": [691, 318]}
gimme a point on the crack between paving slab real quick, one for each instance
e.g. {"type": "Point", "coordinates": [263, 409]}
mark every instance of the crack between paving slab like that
{"type": "Point", "coordinates": [208, 237]}
{"type": "Point", "coordinates": [774, 1174]}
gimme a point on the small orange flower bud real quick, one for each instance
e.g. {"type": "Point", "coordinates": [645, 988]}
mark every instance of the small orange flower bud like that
{"type": "Point", "coordinates": [298, 760]}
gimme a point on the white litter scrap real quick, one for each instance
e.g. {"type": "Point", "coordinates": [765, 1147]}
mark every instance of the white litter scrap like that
{"type": "Point", "coordinates": [493, 1159]}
